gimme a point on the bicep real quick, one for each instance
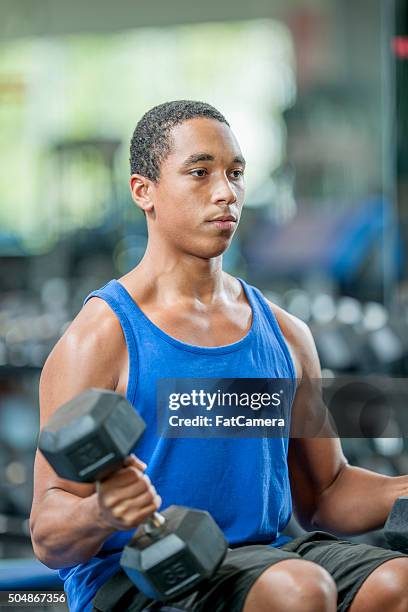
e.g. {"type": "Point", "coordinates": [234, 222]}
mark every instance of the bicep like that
{"type": "Point", "coordinates": [314, 464]}
{"type": "Point", "coordinates": [315, 456]}
{"type": "Point", "coordinates": [77, 362]}
{"type": "Point", "coordinates": [46, 481]}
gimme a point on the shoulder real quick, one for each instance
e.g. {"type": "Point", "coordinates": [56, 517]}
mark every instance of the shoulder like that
{"type": "Point", "coordinates": [95, 327]}
{"type": "Point", "coordinates": [300, 341]}
{"type": "Point", "coordinates": [87, 353]}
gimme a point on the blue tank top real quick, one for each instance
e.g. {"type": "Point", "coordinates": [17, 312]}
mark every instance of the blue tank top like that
{"type": "Point", "coordinates": [244, 482]}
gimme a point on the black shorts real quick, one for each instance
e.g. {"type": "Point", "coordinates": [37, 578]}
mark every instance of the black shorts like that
{"type": "Point", "coordinates": [348, 563]}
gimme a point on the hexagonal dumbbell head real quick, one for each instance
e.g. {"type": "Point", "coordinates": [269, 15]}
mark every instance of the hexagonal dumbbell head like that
{"type": "Point", "coordinates": [396, 527]}
{"type": "Point", "coordinates": [88, 437]}
{"type": "Point", "coordinates": [188, 549]}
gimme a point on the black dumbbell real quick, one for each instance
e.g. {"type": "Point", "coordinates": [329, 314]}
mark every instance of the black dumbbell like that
{"type": "Point", "coordinates": [396, 527]}
{"type": "Point", "coordinates": [87, 439]}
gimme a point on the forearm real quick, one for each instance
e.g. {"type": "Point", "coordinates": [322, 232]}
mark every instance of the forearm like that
{"type": "Point", "coordinates": [67, 529]}
{"type": "Point", "coordinates": [358, 501]}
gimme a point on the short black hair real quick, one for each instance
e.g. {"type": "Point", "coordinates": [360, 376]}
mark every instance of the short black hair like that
{"type": "Point", "coordinates": [151, 141]}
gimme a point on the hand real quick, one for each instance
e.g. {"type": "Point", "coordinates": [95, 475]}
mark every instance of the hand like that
{"type": "Point", "coordinates": [127, 497]}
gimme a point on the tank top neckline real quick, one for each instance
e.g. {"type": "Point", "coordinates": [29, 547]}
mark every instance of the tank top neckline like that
{"type": "Point", "coordinates": [210, 350]}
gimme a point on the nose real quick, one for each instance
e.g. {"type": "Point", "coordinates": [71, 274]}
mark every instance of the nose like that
{"type": "Point", "coordinates": [223, 192]}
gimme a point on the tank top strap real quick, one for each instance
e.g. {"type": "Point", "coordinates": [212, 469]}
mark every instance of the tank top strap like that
{"type": "Point", "coordinates": [117, 298]}
{"type": "Point", "coordinates": [261, 307]}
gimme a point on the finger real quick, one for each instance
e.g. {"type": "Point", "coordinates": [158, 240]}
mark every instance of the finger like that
{"type": "Point", "coordinates": [123, 477]}
{"type": "Point", "coordinates": [138, 505]}
{"type": "Point", "coordinates": [144, 514]}
{"type": "Point", "coordinates": [141, 516]}
{"type": "Point", "coordinates": [135, 461]}
{"type": "Point", "coordinates": [132, 491]}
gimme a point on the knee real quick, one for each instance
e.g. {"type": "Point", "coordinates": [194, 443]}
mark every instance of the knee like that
{"type": "Point", "coordinates": [294, 586]}
{"type": "Point", "coordinates": [388, 586]}
{"type": "Point", "coordinates": [307, 586]}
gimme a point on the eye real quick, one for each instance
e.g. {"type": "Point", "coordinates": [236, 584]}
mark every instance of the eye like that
{"type": "Point", "coordinates": [199, 172]}
{"type": "Point", "coordinates": [237, 173]}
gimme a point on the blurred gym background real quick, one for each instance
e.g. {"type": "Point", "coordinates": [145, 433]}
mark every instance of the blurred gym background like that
{"type": "Point", "coordinates": [317, 93]}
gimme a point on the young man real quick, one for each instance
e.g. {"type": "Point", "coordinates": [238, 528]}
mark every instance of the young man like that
{"type": "Point", "coordinates": [178, 314]}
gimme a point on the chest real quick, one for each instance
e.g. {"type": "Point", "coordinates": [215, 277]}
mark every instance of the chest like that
{"type": "Point", "coordinates": [210, 327]}
{"type": "Point", "coordinates": [213, 326]}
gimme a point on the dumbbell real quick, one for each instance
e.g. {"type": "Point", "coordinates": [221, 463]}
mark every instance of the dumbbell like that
{"type": "Point", "coordinates": [86, 440]}
{"type": "Point", "coordinates": [396, 527]}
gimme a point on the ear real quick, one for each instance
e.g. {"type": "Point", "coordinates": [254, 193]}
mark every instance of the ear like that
{"type": "Point", "coordinates": [141, 190]}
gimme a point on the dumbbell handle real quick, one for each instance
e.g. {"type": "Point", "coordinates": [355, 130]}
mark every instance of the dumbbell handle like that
{"type": "Point", "coordinates": [154, 523]}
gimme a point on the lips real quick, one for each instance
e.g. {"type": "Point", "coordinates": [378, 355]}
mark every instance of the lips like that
{"type": "Point", "coordinates": [226, 223]}
{"type": "Point", "coordinates": [224, 218]}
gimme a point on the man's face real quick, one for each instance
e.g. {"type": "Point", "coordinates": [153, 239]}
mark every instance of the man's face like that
{"type": "Point", "coordinates": [199, 196]}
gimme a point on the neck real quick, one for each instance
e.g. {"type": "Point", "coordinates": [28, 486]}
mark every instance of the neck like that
{"type": "Point", "coordinates": [174, 276]}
